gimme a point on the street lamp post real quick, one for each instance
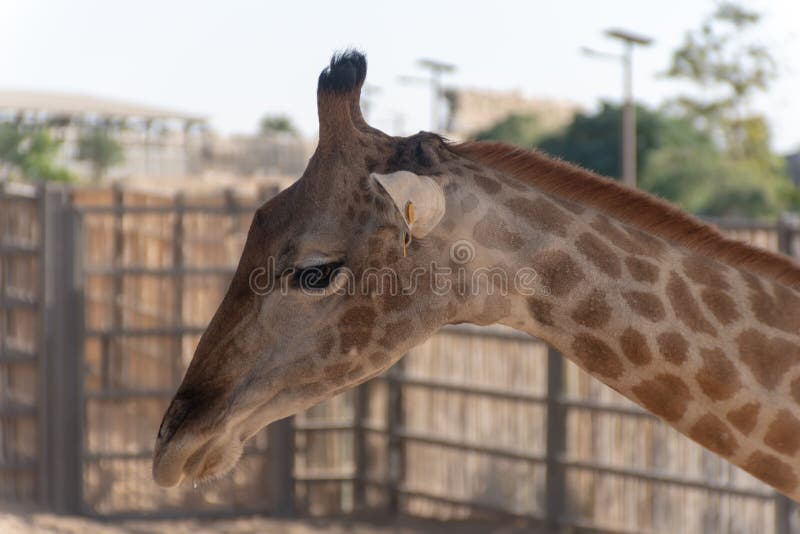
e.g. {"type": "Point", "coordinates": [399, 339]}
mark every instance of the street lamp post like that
{"type": "Point", "coordinates": [628, 131]}
{"type": "Point", "coordinates": [437, 69]}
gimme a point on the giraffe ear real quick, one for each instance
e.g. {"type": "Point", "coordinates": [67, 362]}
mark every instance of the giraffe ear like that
{"type": "Point", "coordinates": [421, 192]}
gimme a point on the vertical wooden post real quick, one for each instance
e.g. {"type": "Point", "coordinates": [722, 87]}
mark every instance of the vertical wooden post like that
{"type": "Point", "coordinates": [555, 481]}
{"type": "Point", "coordinates": [394, 424]}
{"type": "Point", "coordinates": [360, 445]}
{"type": "Point", "coordinates": [177, 284]}
{"type": "Point", "coordinates": [281, 466]}
{"type": "Point", "coordinates": [114, 352]}
{"type": "Point", "coordinates": [788, 227]}
{"type": "Point", "coordinates": [64, 349]}
{"type": "Point", "coordinates": [42, 352]}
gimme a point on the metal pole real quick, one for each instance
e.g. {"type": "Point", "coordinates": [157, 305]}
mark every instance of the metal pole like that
{"type": "Point", "coordinates": [64, 354]}
{"type": "Point", "coordinates": [394, 423]}
{"type": "Point", "coordinates": [361, 396]}
{"type": "Point", "coordinates": [555, 480]}
{"type": "Point", "coordinates": [788, 226]}
{"type": "Point", "coordinates": [280, 435]}
{"type": "Point", "coordinates": [628, 121]}
{"type": "Point", "coordinates": [177, 284]}
{"type": "Point", "coordinates": [628, 126]}
{"type": "Point", "coordinates": [436, 88]}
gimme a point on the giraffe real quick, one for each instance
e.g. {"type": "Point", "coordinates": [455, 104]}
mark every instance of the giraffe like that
{"type": "Point", "coordinates": [700, 330]}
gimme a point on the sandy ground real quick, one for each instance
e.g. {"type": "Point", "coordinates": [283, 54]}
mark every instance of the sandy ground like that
{"type": "Point", "coordinates": [32, 522]}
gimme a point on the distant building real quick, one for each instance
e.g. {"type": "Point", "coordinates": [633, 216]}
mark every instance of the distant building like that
{"type": "Point", "coordinates": [473, 110]}
{"type": "Point", "coordinates": [257, 155]}
{"type": "Point", "coordinates": [793, 168]}
{"type": "Point", "coordinates": [156, 141]}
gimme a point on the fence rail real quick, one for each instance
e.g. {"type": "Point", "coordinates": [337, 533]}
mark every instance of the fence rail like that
{"type": "Point", "coordinates": [104, 294]}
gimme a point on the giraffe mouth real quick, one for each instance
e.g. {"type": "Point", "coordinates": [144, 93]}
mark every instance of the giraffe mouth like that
{"type": "Point", "coordinates": [210, 455]}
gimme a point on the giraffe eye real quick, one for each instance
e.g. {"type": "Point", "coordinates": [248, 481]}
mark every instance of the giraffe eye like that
{"type": "Point", "coordinates": [315, 277]}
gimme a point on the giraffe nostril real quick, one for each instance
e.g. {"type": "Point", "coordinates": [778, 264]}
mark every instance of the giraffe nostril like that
{"type": "Point", "coordinates": [173, 417]}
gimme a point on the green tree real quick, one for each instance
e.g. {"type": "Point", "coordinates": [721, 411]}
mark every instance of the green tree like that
{"type": "Point", "coordinates": [728, 69]}
{"type": "Point", "coordinates": [593, 141]}
{"type": "Point", "coordinates": [676, 160]}
{"type": "Point", "coordinates": [520, 130]}
{"type": "Point", "coordinates": [98, 148]}
{"type": "Point", "coordinates": [31, 151]}
{"type": "Point", "coordinates": [277, 124]}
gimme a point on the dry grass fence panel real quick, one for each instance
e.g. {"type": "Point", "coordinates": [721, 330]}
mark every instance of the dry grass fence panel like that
{"type": "Point", "coordinates": [21, 347]}
{"type": "Point", "coordinates": [155, 271]}
{"type": "Point", "coordinates": [460, 429]}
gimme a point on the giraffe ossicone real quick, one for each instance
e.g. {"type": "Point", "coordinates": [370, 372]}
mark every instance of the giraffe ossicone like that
{"type": "Point", "coordinates": [702, 331]}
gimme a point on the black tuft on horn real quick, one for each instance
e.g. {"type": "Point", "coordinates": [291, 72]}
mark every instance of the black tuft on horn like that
{"type": "Point", "coordinates": [345, 73]}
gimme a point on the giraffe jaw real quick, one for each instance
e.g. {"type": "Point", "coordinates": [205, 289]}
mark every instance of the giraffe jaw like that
{"type": "Point", "coordinates": [207, 456]}
{"type": "Point", "coordinates": [196, 459]}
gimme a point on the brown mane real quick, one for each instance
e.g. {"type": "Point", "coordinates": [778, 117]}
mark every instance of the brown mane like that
{"type": "Point", "coordinates": [631, 206]}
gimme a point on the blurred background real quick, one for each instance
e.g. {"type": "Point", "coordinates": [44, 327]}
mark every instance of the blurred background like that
{"type": "Point", "coordinates": [136, 139]}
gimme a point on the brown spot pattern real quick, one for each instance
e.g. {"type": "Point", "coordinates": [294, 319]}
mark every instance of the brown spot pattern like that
{"type": "Point", "coordinates": [469, 203]}
{"type": "Point", "coordinates": [487, 184]}
{"type": "Point", "coordinates": [781, 310]}
{"type": "Point", "coordinates": [540, 214]}
{"type": "Point", "coordinates": [648, 305]}
{"type": "Point", "coordinates": [721, 305]}
{"type": "Point", "coordinates": [796, 390]}
{"type": "Point", "coordinates": [768, 359]}
{"type": "Point", "coordinates": [379, 358]}
{"type": "Point", "coordinates": [686, 308]}
{"type": "Point", "coordinates": [596, 356]}
{"type": "Point", "coordinates": [355, 328]}
{"type": "Point", "coordinates": [673, 347]}
{"type": "Point", "coordinates": [577, 209]}
{"type": "Point", "coordinates": [783, 433]}
{"type": "Point", "coordinates": [635, 347]}
{"type": "Point", "coordinates": [593, 311]}
{"type": "Point", "coordinates": [325, 344]}
{"type": "Point", "coordinates": [336, 370]}
{"type": "Point", "coordinates": [493, 232]}
{"type": "Point", "coordinates": [599, 254]}
{"type": "Point", "coordinates": [705, 272]}
{"type": "Point", "coordinates": [745, 417]}
{"type": "Point", "coordinates": [618, 238]}
{"type": "Point", "coordinates": [642, 270]}
{"type": "Point", "coordinates": [541, 311]}
{"type": "Point", "coordinates": [771, 470]}
{"type": "Point", "coordinates": [653, 246]}
{"type": "Point", "coordinates": [394, 333]}
{"type": "Point", "coordinates": [711, 432]}
{"type": "Point", "coordinates": [557, 271]}
{"type": "Point", "coordinates": [666, 395]}
{"type": "Point", "coordinates": [718, 377]}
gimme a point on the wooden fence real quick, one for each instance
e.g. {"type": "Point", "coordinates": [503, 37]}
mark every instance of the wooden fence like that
{"type": "Point", "coordinates": [104, 294]}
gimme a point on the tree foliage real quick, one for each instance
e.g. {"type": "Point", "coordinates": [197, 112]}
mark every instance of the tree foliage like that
{"type": "Point", "coordinates": [31, 151]}
{"type": "Point", "coordinates": [521, 130]}
{"type": "Point", "coordinates": [676, 160]}
{"type": "Point", "coordinates": [706, 151]}
{"type": "Point", "coordinates": [727, 69]}
{"type": "Point", "coordinates": [277, 124]}
{"type": "Point", "coordinates": [101, 150]}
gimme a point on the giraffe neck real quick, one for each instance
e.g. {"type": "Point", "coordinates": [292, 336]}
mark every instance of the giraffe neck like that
{"type": "Point", "coordinates": [710, 348]}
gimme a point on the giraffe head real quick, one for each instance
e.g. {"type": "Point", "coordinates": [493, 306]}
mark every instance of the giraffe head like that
{"type": "Point", "coordinates": [325, 295]}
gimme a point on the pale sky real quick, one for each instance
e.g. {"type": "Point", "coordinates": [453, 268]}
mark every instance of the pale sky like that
{"type": "Point", "coordinates": [234, 61]}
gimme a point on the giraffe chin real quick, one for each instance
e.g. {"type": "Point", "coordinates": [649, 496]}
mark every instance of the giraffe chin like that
{"type": "Point", "coordinates": [209, 456]}
{"type": "Point", "coordinates": [199, 458]}
{"type": "Point", "coordinates": [196, 459]}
